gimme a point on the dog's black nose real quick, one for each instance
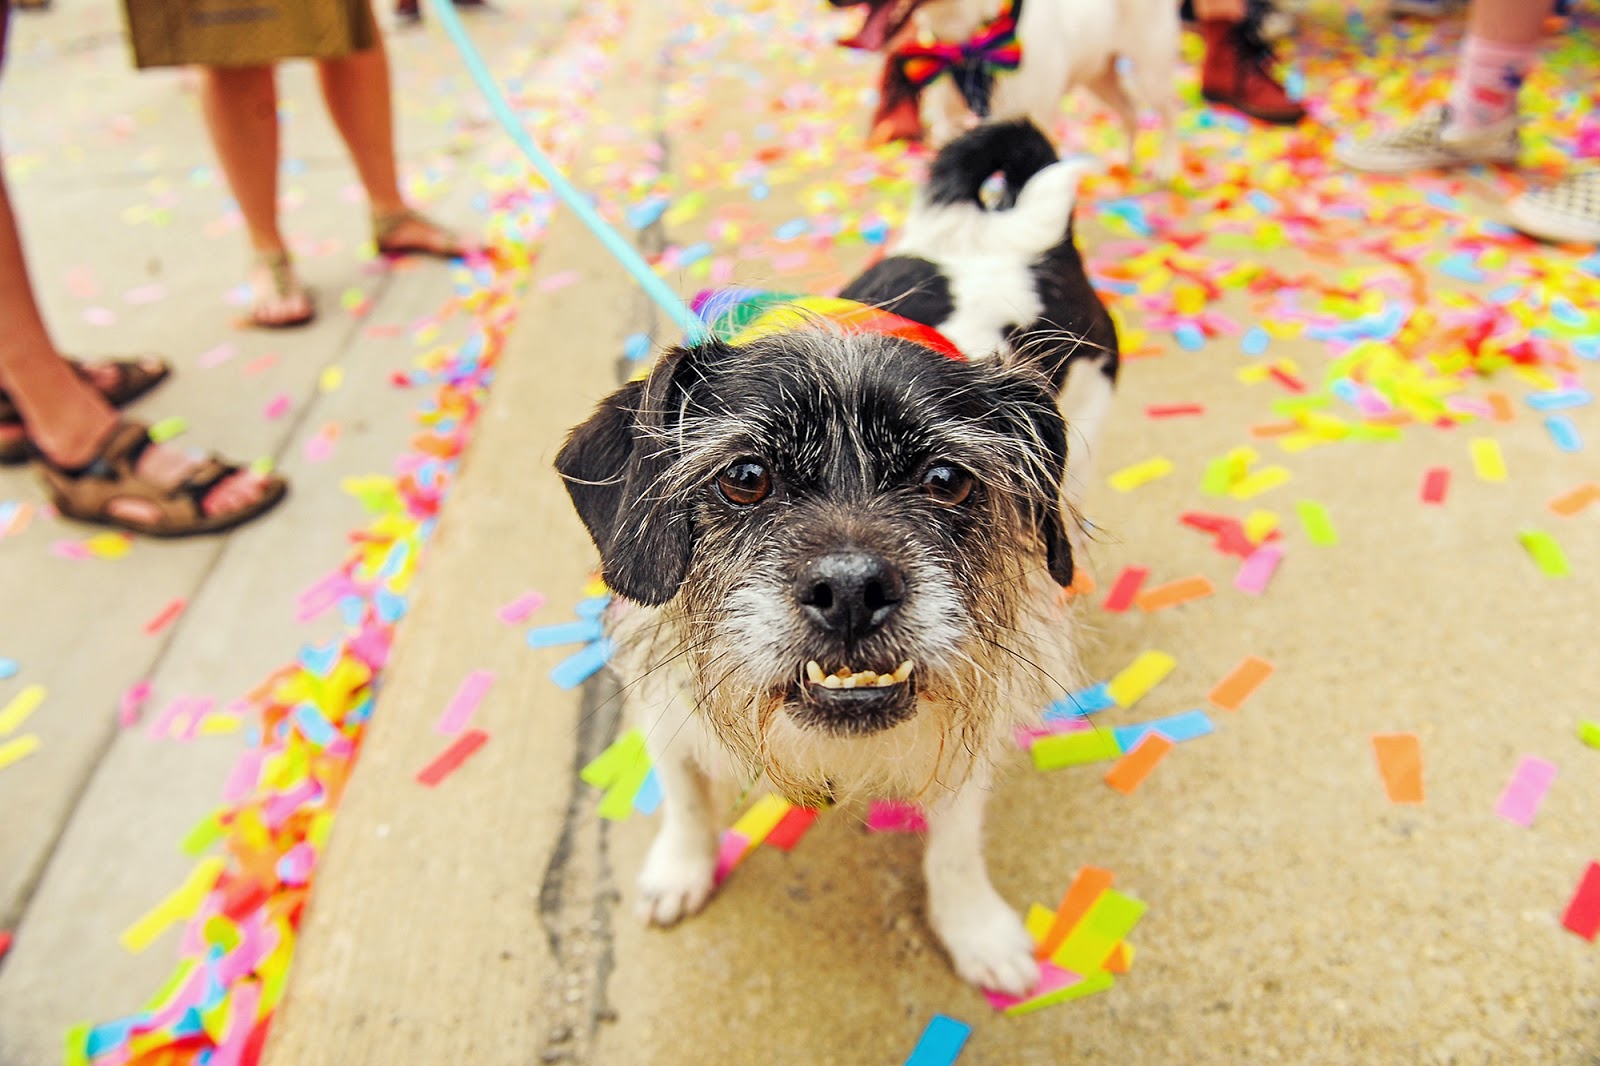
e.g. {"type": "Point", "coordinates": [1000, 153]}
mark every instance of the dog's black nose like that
{"type": "Point", "coordinates": [849, 593]}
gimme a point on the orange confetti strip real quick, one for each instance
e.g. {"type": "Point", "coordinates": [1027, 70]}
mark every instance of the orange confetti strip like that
{"type": "Point", "coordinates": [1121, 959]}
{"type": "Point", "coordinates": [1135, 766]}
{"type": "Point", "coordinates": [1242, 680]}
{"type": "Point", "coordinates": [1400, 763]}
{"type": "Point", "coordinates": [1175, 592]}
{"type": "Point", "coordinates": [1570, 503]}
{"type": "Point", "coordinates": [1081, 894]}
{"type": "Point", "coordinates": [1264, 430]}
{"type": "Point", "coordinates": [1501, 405]}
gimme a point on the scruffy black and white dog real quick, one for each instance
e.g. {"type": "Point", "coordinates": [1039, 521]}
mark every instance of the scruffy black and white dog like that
{"type": "Point", "coordinates": [838, 554]}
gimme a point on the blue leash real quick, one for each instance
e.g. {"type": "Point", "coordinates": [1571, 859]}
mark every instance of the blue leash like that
{"type": "Point", "coordinates": [615, 243]}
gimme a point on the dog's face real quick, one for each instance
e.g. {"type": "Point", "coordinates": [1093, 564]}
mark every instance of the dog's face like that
{"type": "Point", "coordinates": [838, 527]}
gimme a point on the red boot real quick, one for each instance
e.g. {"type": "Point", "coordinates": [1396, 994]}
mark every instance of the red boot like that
{"type": "Point", "coordinates": [1237, 72]}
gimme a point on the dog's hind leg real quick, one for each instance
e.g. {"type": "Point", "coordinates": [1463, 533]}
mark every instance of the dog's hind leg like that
{"type": "Point", "coordinates": [985, 938]}
{"type": "Point", "coordinates": [679, 872]}
{"type": "Point", "coordinates": [1154, 61]}
{"type": "Point", "coordinates": [1108, 87]}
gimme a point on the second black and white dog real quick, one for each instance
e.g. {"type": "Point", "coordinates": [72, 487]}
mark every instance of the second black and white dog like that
{"type": "Point", "coordinates": [838, 555]}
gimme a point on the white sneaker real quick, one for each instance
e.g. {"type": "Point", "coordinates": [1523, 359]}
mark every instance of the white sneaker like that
{"type": "Point", "coordinates": [1430, 142]}
{"type": "Point", "coordinates": [1567, 212]}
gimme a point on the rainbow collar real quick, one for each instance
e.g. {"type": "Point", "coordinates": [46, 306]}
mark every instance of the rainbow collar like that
{"type": "Point", "coordinates": [740, 316]}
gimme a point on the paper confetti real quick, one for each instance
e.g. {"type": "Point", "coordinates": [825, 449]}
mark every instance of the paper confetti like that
{"type": "Point", "coordinates": [465, 701]}
{"type": "Point", "coordinates": [18, 748]}
{"type": "Point", "coordinates": [448, 760]}
{"type": "Point", "coordinates": [1126, 587]}
{"type": "Point", "coordinates": [1174, 593]}
{"type": "Point", "coordinates": [1240, 684]}
{"type": "Point", "coordinates": [1072, 749]}
{"type": "Point", "coordinates": [1318, 526]}
{"type": "Point", "coordinates": [1525, 791]}
{"type": "Point", "coordinates": [1583, 913]}
{"type": "Point", "coordinates": [1131, 770]}
{"type": "Point", "coordinates": [20, 707]}
{"type": "Point", "coordinates": [1545, 551]}
{"type": "Point", "coordinates": [1487, 459]}
{"type": "Point", "coordinates": [165, 616]}
{"type": "Point", "coordinates": [1400, 763]}
{"type": "Point", "coordinates": [1131, 477]}
{"type": "Point", "coordinates": [1589, 733]}
{"type": "Point", "coordinates": [520, 609]}
{"type": "Point", "coordinates": [1136, 680]}
{"type": "Point", "coordinates": [941, 1042]}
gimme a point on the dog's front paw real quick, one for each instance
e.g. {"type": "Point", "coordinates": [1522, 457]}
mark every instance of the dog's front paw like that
{"type": "Point", "coordinates": [678, 877]}
{"type": "Point", "coordinates": [988, 945]}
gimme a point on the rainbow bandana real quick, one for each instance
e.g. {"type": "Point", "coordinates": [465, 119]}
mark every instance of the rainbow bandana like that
{"type": "Point", "coordinates": [739, 316]}
{"type": "Point", "coordinates": [972, 63]}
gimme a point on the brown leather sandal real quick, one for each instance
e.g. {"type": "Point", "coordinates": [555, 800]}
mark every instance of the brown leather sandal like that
{"type": "Point", "coordinates": [385, 226]}
{"type": "Point", "coordinates": [87, 492]}
{"type": "Point", "coordinates": [284, 285]}
{"type": "Point", "coordinates": [130, 379]}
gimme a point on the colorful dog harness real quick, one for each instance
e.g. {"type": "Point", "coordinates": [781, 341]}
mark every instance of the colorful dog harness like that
{"type": "Point", "coordinates": [972, 63]}
{"type": "Point", "coordinates": [740, 316]}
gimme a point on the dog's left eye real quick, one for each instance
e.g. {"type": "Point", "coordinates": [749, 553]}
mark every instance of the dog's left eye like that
{"type": "Point", "coordinates": [946, 484]}
{"type": "Point", "coordinates": [744, 483]}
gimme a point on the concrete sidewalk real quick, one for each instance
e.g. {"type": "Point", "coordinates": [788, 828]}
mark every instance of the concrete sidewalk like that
{"type": "Point", "coordinates": [1295, 915]}
{"type": "Point", "coordinates": [135, 246]}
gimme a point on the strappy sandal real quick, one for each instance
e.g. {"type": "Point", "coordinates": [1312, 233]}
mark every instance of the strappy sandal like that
{"type": "Point", "coordinates": [385, 226]}
{"type": "Point", "coordinates": [284, 285]}
{"type": "Point", "coordinates": [87, 492]}
{"type": "Point", "coordinates": [130, 379]}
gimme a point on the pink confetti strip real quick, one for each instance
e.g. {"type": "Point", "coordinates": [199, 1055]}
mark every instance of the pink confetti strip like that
{"type": "Point", "coordinates": [165, 616]}
{"type": "Point", "coordinates": [1526, 790]}
{"type": "Point", "coordinates": [1052, 978]}
{"type": "Point", "coordinates": [278, 406]}
{"type": "Point", "coordinates": [733, 848]}
{"type": "Point", "coordinates": [132, 703]}
{"type": "Point", "coordinates": [1257, 570]}
{"type": "Point", "coordinates": [520, 609]}
{"type": "Point", "coordinates": [468, 695]}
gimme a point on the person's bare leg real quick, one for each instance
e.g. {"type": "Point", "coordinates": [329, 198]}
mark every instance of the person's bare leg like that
{"type": "Point", "coordinates": [241, 111]}
{"type": "Point", "coordinates": [357, 91]}
{"type": "Point", "coordinates": [65, 417]}
{"type": "Point", "coordinates": [1508, 21]}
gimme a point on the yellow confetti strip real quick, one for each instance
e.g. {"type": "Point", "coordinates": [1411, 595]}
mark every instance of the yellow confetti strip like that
{"type": "Point", "coordinates": [168, 429]}
{"type": "Point", "coordinates": [1140, 676]}
{"type": "Point", "coordinates": [109, 545]}
{"type": "Point", "coordinates": [1131, 477]}
{"type": "Point", "coordinates": [1487, 459]}
{"type": "Point", "coordinates": [16, 750]}
{"type": "Point", "coordinates": [1263, 480]}
{"type": "Point", "coordinates": [762, 817]}
{"type": "Point", "coordinates": [1258, 525]}
{"type": "Point", "coordinates": [21, 706]}
{"type": "Point", "coordinates": [182, 903]}
{"type": "Point", "coordinates": [331, 378]}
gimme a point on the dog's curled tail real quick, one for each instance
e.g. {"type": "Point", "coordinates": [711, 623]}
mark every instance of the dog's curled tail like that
{"type": "Point", "coordinates": [1016, 149]}
{"type": "Point", "coordinates": [1030, 215]}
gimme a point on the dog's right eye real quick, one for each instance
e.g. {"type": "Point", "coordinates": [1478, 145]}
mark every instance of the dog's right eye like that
{"type": "Point", "coordinates": [744, 483]}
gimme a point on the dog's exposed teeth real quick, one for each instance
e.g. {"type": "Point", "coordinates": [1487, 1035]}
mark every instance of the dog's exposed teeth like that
{"type": "Point", "coordinates": [844, 677]}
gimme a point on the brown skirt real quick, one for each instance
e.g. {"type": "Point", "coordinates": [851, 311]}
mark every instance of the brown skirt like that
{"type": "Point", "coordinates": [246, 33]}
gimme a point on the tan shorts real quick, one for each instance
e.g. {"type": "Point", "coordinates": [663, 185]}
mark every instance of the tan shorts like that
{"type": "Point", "coordinates": [246, 33]}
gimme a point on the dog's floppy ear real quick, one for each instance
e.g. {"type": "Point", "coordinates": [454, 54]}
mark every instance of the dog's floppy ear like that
{"type": "Point", "coordinates": [613, 467]}
{"type": "Point", "coordinates": [1034, 418]}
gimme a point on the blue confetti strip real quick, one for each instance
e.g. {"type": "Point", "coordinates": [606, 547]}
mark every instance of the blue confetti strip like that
{"type": "Point", "coordinates": [1564, 433]}
{"type": "Point", "coordinates": [578, 667]}
{"type": "Point", "coordinates": [1178, 727]}
{"type": "Point", "coordinates": [565, 633]}
{"type": "Point", "coordinates": [941, 1042]}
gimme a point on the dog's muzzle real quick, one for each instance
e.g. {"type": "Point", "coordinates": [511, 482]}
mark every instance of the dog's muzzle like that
{"type": "Point", "coordinates": [847, 597]}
